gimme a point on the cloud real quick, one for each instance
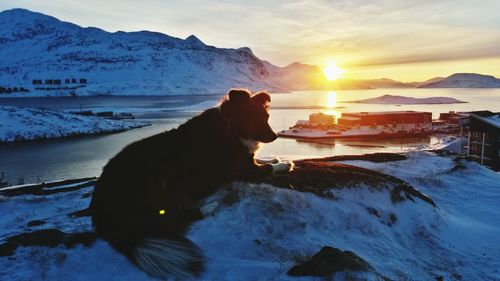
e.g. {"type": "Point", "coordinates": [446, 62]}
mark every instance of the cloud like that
{"type": "Point", "coordinates": [470, 52]}
{"type": "Point", "coordinates": [356, 32]}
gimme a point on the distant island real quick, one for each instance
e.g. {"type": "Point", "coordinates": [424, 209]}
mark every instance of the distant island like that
{"type": "Point", "coordinates": [392, 99]}
{"type": "Point", "coordinates": [465, 80]}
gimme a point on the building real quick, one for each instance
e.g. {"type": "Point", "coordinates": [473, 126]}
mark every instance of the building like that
{"type": "Point", "coordinates": [484, 138]}
{"type": "Point", "coordinates": [386, 118]}
{"type": "Point", "coordinates": [456, 119]}
{"type": "Point", "coordinates": [322, 120]}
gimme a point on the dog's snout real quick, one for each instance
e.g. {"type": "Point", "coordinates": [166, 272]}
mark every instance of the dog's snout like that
{"type": "Point", "coordinates": [275, 136]}
{"type": "Point", "coordinates": [270, 137]}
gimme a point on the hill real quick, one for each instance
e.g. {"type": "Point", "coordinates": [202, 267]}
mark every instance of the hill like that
{"type": "Point", "coordinates": [465, 80]}
{"type": "Point", "coordinates": [392, 99]}
{"type": "Point", "coordinates": [56, 55]}
{"type": "Point", "coordinates": [262, 230]}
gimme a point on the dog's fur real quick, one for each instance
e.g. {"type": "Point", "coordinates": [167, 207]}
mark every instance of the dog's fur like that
{"type": "Point", "coordinates": [149, 193]}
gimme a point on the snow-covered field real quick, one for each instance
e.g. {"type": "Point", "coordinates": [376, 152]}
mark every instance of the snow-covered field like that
{"type": "Point", "coordinates": [21, 123]}
{"type": "Point", "coordinates": [267, 230]}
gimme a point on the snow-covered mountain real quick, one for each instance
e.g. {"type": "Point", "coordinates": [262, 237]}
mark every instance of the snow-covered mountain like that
{"type": "Point", "coordinates": [465, 80]}
{"type": "Point", "coordinates": [34, 46]}
{"type": "Point", "coordinates": [49, 57]}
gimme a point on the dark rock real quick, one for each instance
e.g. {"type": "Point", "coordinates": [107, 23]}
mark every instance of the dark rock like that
{"type": "Point", "coordinates": [47, 238]}
{"type": "Point", "coordinates": [328, 261]}
{"type": "Point", "coordinates": [320, 177]}
{"type": "Point", "coordinates": [378, 157]}
{"type": "Point", "coordinates": [373, 211]}
{"type": "Point", "coordinates": [36, 223]}
{"type": "Point", "coordinates": [81, 213]}
{"type": "Point", "coordinates": [393, 218]}
{"type": "Point", "coordinates": [86, 195]}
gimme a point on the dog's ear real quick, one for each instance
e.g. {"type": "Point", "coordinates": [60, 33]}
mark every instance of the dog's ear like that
{"type": "Point", "coordinates": [239, 96]}
{"type": "Point", "coordinates": [234, 101]}
{"type": "Point", "coordinates": [261, 98]}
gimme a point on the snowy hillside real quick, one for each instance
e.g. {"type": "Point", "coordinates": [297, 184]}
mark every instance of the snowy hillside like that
{"type": "Point", "coordinates": [392, 99]}
{"type": "Point", "coordinates": [465, 80]}
{"type": "Point", "coordinates": [262, 230]}
{"type": "Point", "coordinates": [20, 123]}
{"type": "Point", "coordinates": [34, 46]}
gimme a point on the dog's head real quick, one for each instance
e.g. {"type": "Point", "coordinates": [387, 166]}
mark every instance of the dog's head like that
{"type": "Point", "coordinates": [248, 115]}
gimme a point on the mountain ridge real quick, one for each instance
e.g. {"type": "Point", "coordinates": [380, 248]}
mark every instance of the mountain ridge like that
{"type": "Point", "coordinates": [465, 80]}
{"type": "Point", "coordinates": [54, 53]}
{"type": "Point", "coordinates": [42, 47]}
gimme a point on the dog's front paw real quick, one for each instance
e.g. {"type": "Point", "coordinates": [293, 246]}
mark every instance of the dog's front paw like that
{"type": "Point", "coordinates": [283, 167]}
{"type": "Point", "coordinates": [209, 208]}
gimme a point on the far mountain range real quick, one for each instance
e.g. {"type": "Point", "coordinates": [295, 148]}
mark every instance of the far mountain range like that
{"type": "Point", "coordinates": [46, 56]}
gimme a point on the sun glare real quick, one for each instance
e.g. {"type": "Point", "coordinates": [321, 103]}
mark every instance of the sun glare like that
{"type": "Point", "coordinates": [332, 71]}
{"type": "Point", "coordinates": [331, 99]}
{"type": "Point", "coordinates": [331, 104]}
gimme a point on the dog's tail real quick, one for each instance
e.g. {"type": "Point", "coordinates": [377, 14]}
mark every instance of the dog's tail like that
{"type": "Point", "coordinates": [169, 257]}
{"type": "Point", "coordinates": [166, 257]}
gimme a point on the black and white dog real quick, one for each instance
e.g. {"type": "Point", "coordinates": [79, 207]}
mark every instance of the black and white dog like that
{"type": "Point", "coordinates": [150, 193]}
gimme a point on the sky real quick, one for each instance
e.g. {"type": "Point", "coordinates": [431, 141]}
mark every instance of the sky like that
{"type": "Point", "coordinates": [400, 39]}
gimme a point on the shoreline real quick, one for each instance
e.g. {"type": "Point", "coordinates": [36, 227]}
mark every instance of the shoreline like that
{"type": "Point", "coordinates": [35, 124]}
{"type": "Point", "coordinates": [72, 136]}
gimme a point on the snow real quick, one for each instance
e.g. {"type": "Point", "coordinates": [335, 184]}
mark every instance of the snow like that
{"type": "Point", "coordinates": [392, 99]}
{"type": "Point", "coordinates": [21, 123]}
{"type": "Point", "coordinates": [35, 46]}
{"type": "Point", "coordinates": [260, 236]}
{"type": "Point", "coordinates": [450, 143]}
{"type": "Point", "coordinates": [493, 120]}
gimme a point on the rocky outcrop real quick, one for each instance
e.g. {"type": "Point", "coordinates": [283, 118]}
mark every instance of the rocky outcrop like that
{"type": "Point", "coordinates": [328, 261]}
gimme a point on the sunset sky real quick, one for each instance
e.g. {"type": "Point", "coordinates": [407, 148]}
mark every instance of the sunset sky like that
{"type": "Point", "coordinates": [404, 40]}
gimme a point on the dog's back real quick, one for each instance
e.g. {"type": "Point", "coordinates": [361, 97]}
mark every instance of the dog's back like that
{"type": "Point", "coordinates": [148, 194]}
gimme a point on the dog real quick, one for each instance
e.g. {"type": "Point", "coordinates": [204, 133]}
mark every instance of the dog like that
{"type": "Point", "coordinates": [151, 192]}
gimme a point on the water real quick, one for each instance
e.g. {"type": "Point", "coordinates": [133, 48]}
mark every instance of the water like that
{"type": "Point", "coordinates": [85, 156]}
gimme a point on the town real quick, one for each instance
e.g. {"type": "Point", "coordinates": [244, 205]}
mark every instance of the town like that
{"type": "Point", "coordinates": [47, 85]}
{"type": "Point", "coordinates": [474, 134]}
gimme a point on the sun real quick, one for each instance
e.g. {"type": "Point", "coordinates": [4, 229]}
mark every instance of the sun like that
{"type": "Point", "coordinates": [332, 71]}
